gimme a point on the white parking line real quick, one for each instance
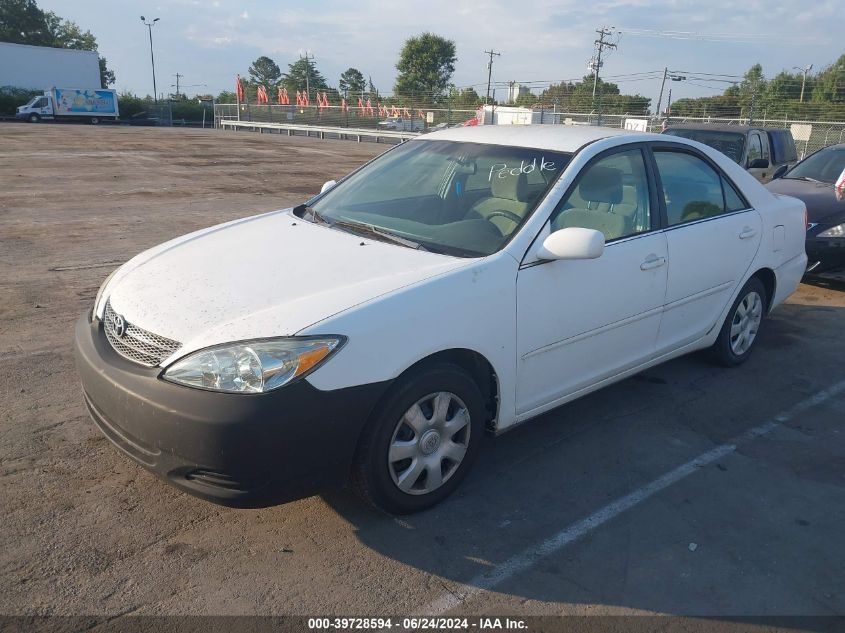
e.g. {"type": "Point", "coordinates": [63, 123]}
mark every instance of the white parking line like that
{"type": "Point", "coordinates": [529, 557]}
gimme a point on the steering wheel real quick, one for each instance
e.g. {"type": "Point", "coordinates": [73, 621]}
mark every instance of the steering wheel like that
{"type": "Point", "coordinates": [513, 217]}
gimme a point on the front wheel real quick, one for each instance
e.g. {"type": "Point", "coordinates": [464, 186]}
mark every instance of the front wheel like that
{"type": "Point", "coordinates": [740, 329]}
{"type": "Point", "coordinates": [34, 118]}
{"type": "Point", "coordinates": [94, 120]}
{"type": "Point", "coordinates": [421, 441]}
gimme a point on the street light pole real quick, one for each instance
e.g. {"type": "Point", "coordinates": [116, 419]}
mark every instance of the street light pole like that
{"type": "Point", "coordinates": [149, 26]}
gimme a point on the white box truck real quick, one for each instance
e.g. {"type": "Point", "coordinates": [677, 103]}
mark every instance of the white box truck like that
{"type": "Point", "coordinates": [71, 104]}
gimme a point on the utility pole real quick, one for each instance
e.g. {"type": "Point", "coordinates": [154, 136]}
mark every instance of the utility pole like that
{"type": "Point", "coordinates": [308, 56]}
{"type": "Point", "coordinates": [601, 44]}
{"type": "Point", "coordinates": [804, 70]}
{"type": "Point", "coordinates": [491, 52]}
{"type": "Point", "coordinates": [149, 26]}
{"type": "Point", "coordinates": [672, 76]}
{"type": "Point", "coordinates": [178, 77]}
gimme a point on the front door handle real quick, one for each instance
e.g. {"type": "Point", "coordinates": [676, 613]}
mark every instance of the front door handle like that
{"type": "Point", "coordinates": [747, 233]}
{"type": "Point", "coordinates": [652, 261]}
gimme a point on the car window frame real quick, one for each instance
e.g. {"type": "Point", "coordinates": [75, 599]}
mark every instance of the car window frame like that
{"type": "Point", "coordinates": [655, 210]}
{"type": "Point", "coordinates": [686, 149]}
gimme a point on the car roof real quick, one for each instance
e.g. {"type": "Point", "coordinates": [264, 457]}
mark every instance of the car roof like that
{"type": "Point", "coordinates": [724, 127]}
{"type": "Point", "coordinates": [561, 138]}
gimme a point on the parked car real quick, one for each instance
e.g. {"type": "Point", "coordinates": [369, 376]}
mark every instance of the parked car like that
{"type": "Point", "coordinates": [762, 151]}
{"type": "Point", "coordinates": [813, 181]}
{"type": "Point", "coordinates": [467, 280]}
{"type": "Point", "coordinates": [403, 125]}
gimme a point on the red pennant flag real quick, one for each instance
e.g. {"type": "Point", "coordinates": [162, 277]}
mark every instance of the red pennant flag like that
{"type": "Point", "coordinates": [239, 89]}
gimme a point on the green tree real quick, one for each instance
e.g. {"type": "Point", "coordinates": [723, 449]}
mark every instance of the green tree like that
{"type": "Point", "coordinates": [303, 72]}
{"type": "Point", "coordinates": [227, 97]}
{"type": "Point", "coordinates": [466, 99]}
{"type": "Point", "coordinates": [526, 100]}
{"type": "Point", "coordinates": [828, 83]}
{"type": "Point", "coordinates": [372, 92]}
{"type": "Point", "coordinates": [425, 66]}
{"type": "Point", "coordinates": [352, 81]}
{"type": "Point", "coordinates": [22, 22]}
{"type": "Point", "coordinates": [264, 71]}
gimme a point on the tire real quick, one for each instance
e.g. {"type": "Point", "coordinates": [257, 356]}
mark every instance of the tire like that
{"type": "Point", "coordinates": [744, 320]}
{"type": "Point", "coordinates": [381, 473]}
{"type": "Point", "coordinates": [34, 118]}
{"type": "Point", "coordinates": [94, 120]}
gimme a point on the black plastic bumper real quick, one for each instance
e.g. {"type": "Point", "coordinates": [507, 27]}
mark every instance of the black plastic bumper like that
{"type": "Point", "coordinates": [233, 449]}
{"type": "Point", "coordinates": [825, 254]}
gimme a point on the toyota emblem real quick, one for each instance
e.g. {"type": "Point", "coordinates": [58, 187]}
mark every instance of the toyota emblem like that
{"type": "Point", "coordinates": [119, 324]}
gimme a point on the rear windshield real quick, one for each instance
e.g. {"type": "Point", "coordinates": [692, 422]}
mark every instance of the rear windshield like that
{"type": "Point", "coordinates": [463, 199]}
{"type": "Point", "coordinates": [731, 144]}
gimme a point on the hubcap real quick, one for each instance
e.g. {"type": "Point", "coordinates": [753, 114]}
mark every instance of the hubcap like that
{"type": "Point", "coordinates": [429, 443]}
{"type": "Point", "coordinates": [745, 323]}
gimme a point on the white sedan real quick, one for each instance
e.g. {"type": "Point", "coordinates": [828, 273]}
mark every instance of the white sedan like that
{"type": "Point", "coordinates": [467, 280]}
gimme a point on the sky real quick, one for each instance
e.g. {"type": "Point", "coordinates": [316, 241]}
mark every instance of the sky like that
{"type": "Point", "coordinates": [210, 41]}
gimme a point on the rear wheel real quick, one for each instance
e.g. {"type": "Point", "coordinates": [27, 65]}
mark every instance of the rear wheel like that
{"type": "Point", "coordinates": [421, 442]}
{"type": "Point", "coordinates": [740, 329]}
{"type": "Point", "coordinates": [94, 120]}
{"type": "Point", "coordinates": [34, 118]}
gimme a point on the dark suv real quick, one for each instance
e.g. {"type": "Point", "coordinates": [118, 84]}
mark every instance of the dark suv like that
{"type": "Point", "coordinates": [762, 151]}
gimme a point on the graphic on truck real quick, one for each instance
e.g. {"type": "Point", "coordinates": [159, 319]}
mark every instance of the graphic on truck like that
{"type": "Point", "coordinates": [85, 101]}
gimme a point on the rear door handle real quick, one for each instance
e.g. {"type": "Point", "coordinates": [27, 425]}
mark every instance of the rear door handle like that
{"type": "Point", "coordinates": [652, 261]}
{"type": "Point", "coordinates": [747, 233]}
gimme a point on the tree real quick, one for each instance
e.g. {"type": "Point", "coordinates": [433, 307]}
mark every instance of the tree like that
{"type": "Point", "coordinates": [351, 81]}
{"type": "Point", "coordinates": [425, 66]}
{"type": "Point", "coordinates": [227, 97]}
{"type": "Point", "coordinates": [372, 93]}
{"type": "Point", "coordinates": [466, 99]}
{"type": "Point", "coordinates": [22, 22]}
{"type": "Point", "coordinates": [265, 72]}
{"type": "Point", "coordinates": [303, 72]}
{"type": "Point", "coordinates": [107, 77]}
{"type": "Point", "coordinates": [526, 99]}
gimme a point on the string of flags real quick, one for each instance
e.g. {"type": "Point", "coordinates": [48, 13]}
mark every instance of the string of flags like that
{"type": "Point", "coordinates": [364, 108]}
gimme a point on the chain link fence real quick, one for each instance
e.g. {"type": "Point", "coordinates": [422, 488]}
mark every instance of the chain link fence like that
{"type": "Point", "coordinates": [809, 135]}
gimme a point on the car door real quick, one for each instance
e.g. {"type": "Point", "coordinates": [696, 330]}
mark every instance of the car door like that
{"type": "Point", "coordinates": [757, 157]}
{"type": "Point", "coordinates": [713, 236]}
{"type": "Point", "coordinates": [580, 321]}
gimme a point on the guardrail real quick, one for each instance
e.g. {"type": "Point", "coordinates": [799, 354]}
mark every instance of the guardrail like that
{"type": "Point", "coordinates": [323, 131]}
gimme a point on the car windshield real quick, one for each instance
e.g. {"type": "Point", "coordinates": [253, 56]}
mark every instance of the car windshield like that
{"type": "Point", "coordinates": [731, 144]}
{"type": "Point", "coordinates": [825, 166]}
{"type": "Point", "coordinates": [463, 199]}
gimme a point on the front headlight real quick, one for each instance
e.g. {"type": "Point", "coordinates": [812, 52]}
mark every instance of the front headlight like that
{"type": "Point", "coordinates": [834, 231]}
{"type": "Point", "coordinates": [253, 366]}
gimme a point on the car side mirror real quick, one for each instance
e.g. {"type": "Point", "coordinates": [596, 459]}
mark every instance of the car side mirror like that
{"type": "Point", "coordinates": [780, 172]}
{"type": "Point", "coordinates": [758, 163]}
{"type": "Point", "coordinates": [572, 243]}
{"type": "Point", "coordinates": [328, 185]}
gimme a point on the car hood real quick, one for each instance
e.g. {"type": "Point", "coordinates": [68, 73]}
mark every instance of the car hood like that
{"type": "Point", "coordinates": [823, 206]}
{"type": "Point", "coordinates": [270, 275]}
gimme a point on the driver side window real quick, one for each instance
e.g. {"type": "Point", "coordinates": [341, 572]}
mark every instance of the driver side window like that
{"type": "Point", "coordinates": [611, 196]}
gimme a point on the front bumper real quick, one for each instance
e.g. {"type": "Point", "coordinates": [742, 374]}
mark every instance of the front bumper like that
{"type": "Point", "coordinates": [233, 449]}
{"type": "Point", "coordinates": [825, 255]}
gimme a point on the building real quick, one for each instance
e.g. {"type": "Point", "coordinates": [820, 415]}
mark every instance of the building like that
{"type": "Point", "coordinates": [44, 67]}
{"type": "Point", "coordinates": [515, 91]}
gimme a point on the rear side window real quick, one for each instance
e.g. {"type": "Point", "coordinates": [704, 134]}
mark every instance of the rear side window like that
{"type": "Point", "coordinates": [692, 189]}
{"type": "Point", "coordinates": [783, 146]}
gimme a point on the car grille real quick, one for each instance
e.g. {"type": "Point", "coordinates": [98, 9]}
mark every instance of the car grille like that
{"type": "Point", "coordinates": [137, 344]}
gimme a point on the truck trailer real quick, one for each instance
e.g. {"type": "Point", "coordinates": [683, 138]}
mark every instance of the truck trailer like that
{"type": "Point", "coordinates": [69, 104]}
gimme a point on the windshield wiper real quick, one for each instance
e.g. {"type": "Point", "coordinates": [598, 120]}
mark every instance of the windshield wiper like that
{"type": "Point", "coordinates": [808, 179]}
{"type": "Point", "coordinates": [378, 233]}
{"type": "Point", "coordinates": [316, 216]}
